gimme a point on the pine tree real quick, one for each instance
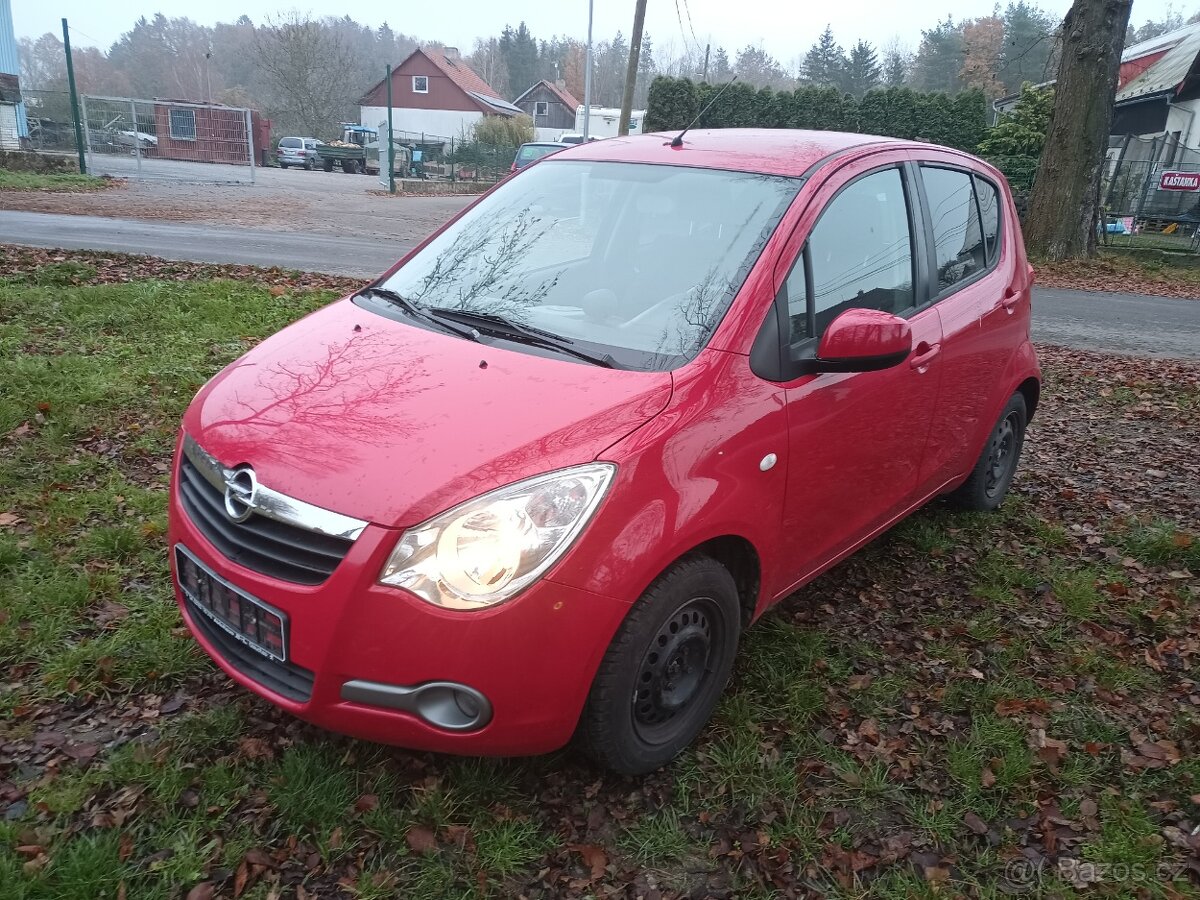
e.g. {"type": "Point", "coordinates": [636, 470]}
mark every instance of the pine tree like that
{"type": "Point", "coordinates": [862, 72]}
{"type": "Point", "coordinates": [939, 58]}
{"type": "Point", "coordinates": [897, 63]}
{"type": "Point", "coordinates": [719, 69]}
{"type": "Point", "coordinates": [825, 61]}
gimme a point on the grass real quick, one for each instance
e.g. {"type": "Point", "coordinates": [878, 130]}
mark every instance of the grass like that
{"type": "Point", "coordinates": [60, 181]}
{"type": "Point", "coordinates": [871, 705]}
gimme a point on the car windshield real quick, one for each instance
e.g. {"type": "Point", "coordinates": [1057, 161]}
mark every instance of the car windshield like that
{"type": "Point", "coordinates": [291, 143]}
{"type": "Point", "coordinates": [636, 261]}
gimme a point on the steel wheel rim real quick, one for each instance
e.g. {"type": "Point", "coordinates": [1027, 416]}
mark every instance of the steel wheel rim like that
{"type": "Point", "coordinates": [1002, 454]}
{"type": "Point", "coordinates": [676, 670]}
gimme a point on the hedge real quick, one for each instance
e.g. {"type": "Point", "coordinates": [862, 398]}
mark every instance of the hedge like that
{"type": "Point", "coordinates": [955, 121]}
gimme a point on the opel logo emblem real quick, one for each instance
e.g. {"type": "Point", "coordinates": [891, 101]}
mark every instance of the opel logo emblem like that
{"type": "Point", "coordinates": [240, 486]}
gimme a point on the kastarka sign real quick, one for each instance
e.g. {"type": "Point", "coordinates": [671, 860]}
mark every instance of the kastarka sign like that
{"type": "Point", "coordinates": [1179, 181]}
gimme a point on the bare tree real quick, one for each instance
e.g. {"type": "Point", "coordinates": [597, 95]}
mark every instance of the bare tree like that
{"type": "Point", "coordinates": [309, 72]}
{"type": "Point", "coordinates": [1065, 201]}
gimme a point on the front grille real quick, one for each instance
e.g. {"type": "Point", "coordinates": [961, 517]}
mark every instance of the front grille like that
{"type": "Point", "coordinates": [284, 678]}
{"type": "Point", "coordinates": [264, 545]}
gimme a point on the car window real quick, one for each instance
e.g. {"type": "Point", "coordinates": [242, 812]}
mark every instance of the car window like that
{"type": "Point", "coordinates": [529, 152]}
{"type": "Point", "coordinates": [291, 143]}
{"type": "Point", "coordinates": [957, 234]}
{"type": "Point", "coordinates": [861, 250]}
{"type": "Point", "coordinates": [989, 212]}
{"type": "Point", "coordinates": [310, 145]}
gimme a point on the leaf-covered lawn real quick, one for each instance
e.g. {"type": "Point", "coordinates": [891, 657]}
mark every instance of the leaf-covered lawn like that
{"type": "Point", "coordinates": [56, 182]}
{"type": "Point", "coordinates": [1119, 273]}
{"type": "Point", "coordinates": [973, 705]}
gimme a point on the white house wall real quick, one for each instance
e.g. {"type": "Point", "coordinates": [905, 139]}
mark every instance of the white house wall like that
{"type": "Point", "coordinates": [1182, 118]}
{"type": "Point", "coordinates": [9, 134]}
{"type": "Point", "coordinates": [445, 123]}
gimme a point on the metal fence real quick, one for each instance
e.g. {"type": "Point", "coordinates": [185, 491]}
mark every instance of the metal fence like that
{"type": "Point", "coordinates": [1151, 195]}
{"type": "Point", "coordinates": [51, 125]}
{"type": "Point", "coordinates": [166, 139]}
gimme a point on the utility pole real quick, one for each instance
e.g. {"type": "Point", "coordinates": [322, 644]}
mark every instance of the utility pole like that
{"type": "Point", "coordinates": [587, 81]}
{"type": "Point", "coordinates": [75, 101]}
{"type": "Point", "coordinates": [707, 47]}
{"type": "Point", "coordinates": [635, 49]}
{"type": "Point", "coordinates": [391, 148]}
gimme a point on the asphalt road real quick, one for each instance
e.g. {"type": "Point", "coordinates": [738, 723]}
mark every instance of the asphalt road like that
{"type": "Point", "coordinates": [1119, 323]}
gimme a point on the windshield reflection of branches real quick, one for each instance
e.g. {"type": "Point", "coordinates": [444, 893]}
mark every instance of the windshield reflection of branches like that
{"type": "Point", "coordinates": [481, 269]}
{"type": "Point", "coordinates": [695, 318]}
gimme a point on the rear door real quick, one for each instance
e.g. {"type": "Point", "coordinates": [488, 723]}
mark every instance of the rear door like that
{"type": "Point", "coordinates": [856, 441]}
{"type": "Point", "coordinates": [984, 304]}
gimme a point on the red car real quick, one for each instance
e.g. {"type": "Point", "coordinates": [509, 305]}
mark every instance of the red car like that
{"type": "Point", "coordinates": [536, 480]}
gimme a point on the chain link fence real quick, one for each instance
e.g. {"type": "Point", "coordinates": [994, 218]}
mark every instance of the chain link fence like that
{"type": "Point", "coordinates": [167, 139]}
{"type": "Point", "coordinates": [51, 124]}
{"type": "Point", "coordinates": [1151, 195]}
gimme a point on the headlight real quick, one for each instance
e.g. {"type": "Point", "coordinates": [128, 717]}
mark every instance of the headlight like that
{"type": "Point", "coordinates": [488, 549]}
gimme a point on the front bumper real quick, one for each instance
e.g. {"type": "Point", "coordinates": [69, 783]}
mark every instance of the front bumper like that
{"type": "Point", "coordinates": [533, 657]}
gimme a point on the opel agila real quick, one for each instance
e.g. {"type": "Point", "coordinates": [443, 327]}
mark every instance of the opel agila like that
{"type": "Point", "coordinates": [534, 482]}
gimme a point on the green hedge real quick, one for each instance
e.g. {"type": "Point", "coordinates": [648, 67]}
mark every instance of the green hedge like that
{"type": "Point", "coordinates": [955, 121]}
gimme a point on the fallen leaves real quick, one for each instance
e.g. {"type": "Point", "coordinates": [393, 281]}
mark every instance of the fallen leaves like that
{"type": "Point", "coordinates": [421, 840]}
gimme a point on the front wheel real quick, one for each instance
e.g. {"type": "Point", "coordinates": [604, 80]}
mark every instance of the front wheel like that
{"type": "Point", "coordinates": [986, 486]}
{"type": "Point", "coordinates": [327, 165]}
{"type": "Point", "coordinates": [663, 673]}
{"type": "Point", "coordinates": [308, 165]}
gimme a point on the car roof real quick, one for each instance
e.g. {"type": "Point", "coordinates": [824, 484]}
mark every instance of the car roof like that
{"type": "Point", "coordinates": [767, 151]}
{"type": "Point", "coordinates": [545, 144]}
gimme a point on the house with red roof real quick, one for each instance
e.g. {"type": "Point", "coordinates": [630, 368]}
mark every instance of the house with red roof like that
{"type": "Point", "coordinates": [552, 108]}
{"type": "Point", "coordinates": [435, 94]}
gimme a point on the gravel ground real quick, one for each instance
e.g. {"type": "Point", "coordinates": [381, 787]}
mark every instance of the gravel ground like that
{"type": "Point", "coordinates": [290, 200]}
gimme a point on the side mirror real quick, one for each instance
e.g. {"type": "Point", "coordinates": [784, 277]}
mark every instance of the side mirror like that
{"type": "Point", "coordinates": [863, 340]}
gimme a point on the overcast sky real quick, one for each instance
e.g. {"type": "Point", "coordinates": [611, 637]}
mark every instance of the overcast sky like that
{"type": "Point", "coordinates": [783, 29]}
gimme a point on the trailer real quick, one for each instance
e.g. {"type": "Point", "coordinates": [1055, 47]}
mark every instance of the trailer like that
{"type": "Point", "coordinates": [604, 121]}
{"type": "Point", "coordinates": [359, 149]}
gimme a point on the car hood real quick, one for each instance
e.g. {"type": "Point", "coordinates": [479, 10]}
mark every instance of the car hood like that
{"type": "Point", "coordinates": [389, 422]}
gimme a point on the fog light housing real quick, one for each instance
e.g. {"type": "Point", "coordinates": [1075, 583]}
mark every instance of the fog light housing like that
{"type": "Point", "coordinates": [443, 704]}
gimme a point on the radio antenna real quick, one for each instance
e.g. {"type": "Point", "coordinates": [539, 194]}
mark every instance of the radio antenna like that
{"type": "Point", "coordinates": [678, 140]}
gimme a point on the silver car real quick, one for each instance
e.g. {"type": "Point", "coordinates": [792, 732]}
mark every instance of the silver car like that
{"type": "Point", "coordinates": [297, 151]}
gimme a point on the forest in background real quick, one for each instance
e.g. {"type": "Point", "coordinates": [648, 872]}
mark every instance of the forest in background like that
{"type": "Point", "coordinates": [307, 74]}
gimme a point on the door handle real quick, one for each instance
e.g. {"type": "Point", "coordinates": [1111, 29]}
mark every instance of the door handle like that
{"type": "Point", "coordinates": [1011, 298]}
{"type": "Point", "coordinates": [925, 355]}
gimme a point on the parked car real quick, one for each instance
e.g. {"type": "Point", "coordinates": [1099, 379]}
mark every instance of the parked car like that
{"type": "Point", "coordinates": [297, 151]}
{"type": "Point", "coordinates": [536, 480]}
{"type": "Point", "coordinates": [532, 152]}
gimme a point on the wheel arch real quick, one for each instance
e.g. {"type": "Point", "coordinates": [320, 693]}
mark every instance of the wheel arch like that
{"type": "Point", "coordinates": [1031, 390]}
{"type": "Point", "coordinates": [740, 558]}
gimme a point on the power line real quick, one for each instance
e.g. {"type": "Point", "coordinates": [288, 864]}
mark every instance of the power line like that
{"type": "Point", "coordinates": [687, 9]}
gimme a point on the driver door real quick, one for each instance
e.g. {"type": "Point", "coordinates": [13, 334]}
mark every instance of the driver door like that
{"type": "Point", "coordinates": [856, 440]}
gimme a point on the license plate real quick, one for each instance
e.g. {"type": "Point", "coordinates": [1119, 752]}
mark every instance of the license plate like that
{"type": "Point", "coordinates": [249, 620]}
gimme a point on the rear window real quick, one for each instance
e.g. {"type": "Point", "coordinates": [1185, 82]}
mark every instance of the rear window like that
{"type": "Point", "coordinates": [291, 143]}
{"type": "Point", "coordinates": [531, 152]}
{"type": "Point", "coordinates": [957, 234]}
{"type": "Point", "coordinates": [989, 212]}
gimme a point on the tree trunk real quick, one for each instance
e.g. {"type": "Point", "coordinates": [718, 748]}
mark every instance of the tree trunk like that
{"type": "Point", "coordinates": [1065, 201]}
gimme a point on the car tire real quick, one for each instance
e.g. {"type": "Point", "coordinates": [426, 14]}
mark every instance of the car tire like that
{"type": "Point", "coordinates": [349, 167]}
{"type": "Point", "coordinates": [283, 165]}
{"type": "Point", "coordinates": [327, 165]}
{"type": "Point", "coordinates": [665, 669]}
{"type": "Point", "coordinates": [308, 165]}
{"type": "Point", "coordinates": [988, 483]}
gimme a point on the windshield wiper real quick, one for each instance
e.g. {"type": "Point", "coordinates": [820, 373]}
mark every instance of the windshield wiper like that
{"type": "Point", "coordinates": [502, 326]}
{"type": "Point", "coordinates": [419, 312]}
